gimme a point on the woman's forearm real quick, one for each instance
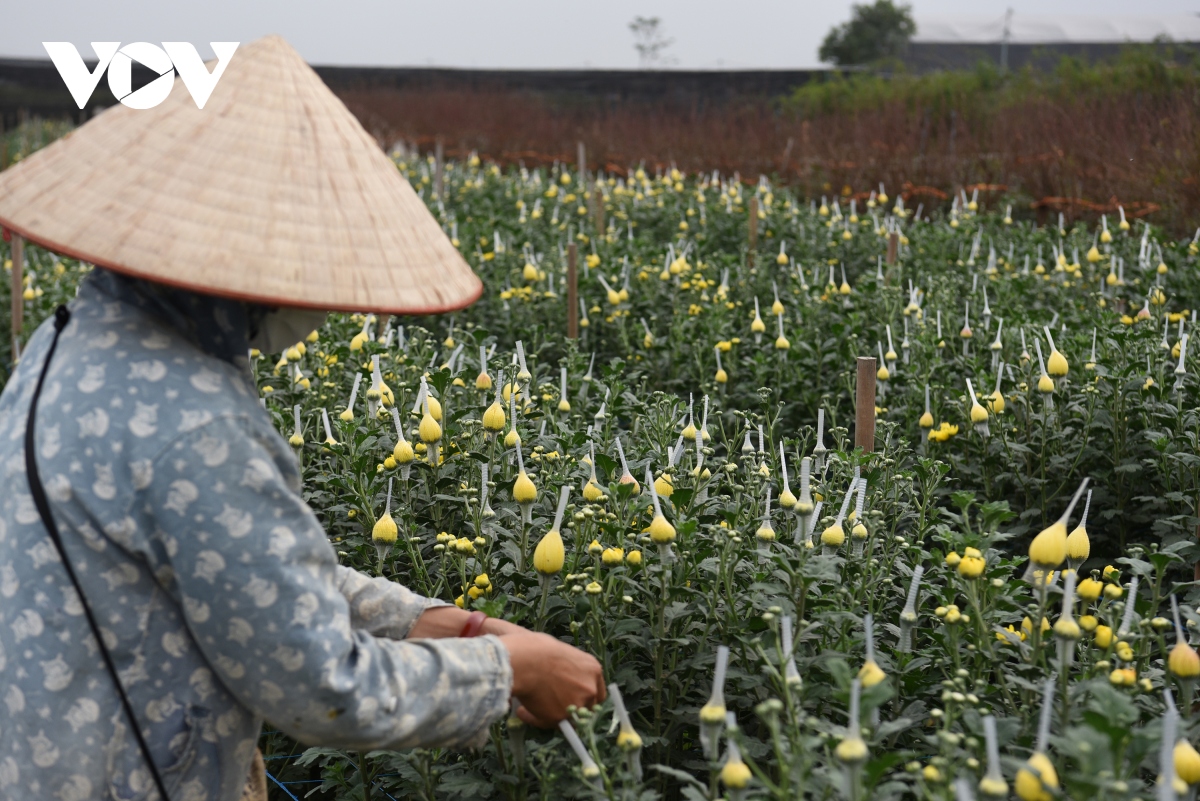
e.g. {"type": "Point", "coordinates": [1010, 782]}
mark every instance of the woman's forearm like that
{"type": "Point", "coordinates": [448, 621]}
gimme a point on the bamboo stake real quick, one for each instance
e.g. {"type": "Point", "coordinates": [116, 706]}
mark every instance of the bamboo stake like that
{"type": "Point", "coordinates": [439, 167]}
{"type": "Point", "coordinates": [864, 405]}
{"type": "Point", "coordinates": [598, 208]}
{"type": "Point", "coordinates": [18, 296]}
{"type": "Point", "coordinates": [893, 247]}
{"type": "Point", "coordinates": [572, 292]}
{"type": "Point", "coordinates": [753, 231]}
{"type": "Point", "coordinates": [581, 154]}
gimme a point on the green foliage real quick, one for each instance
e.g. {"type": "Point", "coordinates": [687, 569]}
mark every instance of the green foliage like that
{"type": "Point", "coordinates": [1125, 419]}
{"type": "Point", "coordinates": [873, 34]}
{"type": "Point", "coordinates": [1153, 70]}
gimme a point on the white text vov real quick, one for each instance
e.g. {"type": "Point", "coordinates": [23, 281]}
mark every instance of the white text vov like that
{"type": "Point", "coordinates": [165, 60]}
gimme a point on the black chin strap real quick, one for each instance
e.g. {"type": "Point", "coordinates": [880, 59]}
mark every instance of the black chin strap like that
{"type": "Point", "coordinates": [61, 317]}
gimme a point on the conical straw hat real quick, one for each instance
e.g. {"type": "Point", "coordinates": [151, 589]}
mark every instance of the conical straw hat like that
{"type": "Point", "coordinates": [271, 193]}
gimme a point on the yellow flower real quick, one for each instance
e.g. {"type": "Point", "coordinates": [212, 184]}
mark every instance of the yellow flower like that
{"type": "Point", "coordinates": [871, 674]}
{"type": "Point", "coordinates": [385, 529]}
{"type": "Point", "coordinates": [1123, 677]}
{"type": "Point", "coordinates": [1036, 779]}
{"type": "Point", "coordinates": [592, 492]}
{"type": "Point", "coordinates": [834, 536]}
{"type": "Point", "coordinates": [1103, 636]}
{"type": "Point", "coordinates": [634, 558]}
{"type": "Point", "coordinates": [493, 417]}
{"type": "Point", "coordinates": [1187, 762]}
{"type": "Point", "coordinates": [611, 557]}
{"type": "Point", "coordinates": [1049, 548]}
{"type": "Point", "coordinates": [524, 490]}
{"type": "Point", "coordinates": [972, 565]}
{"type": "Point", "coordinates": [549, 555]}
{"type": "Point", "coordinates": [735, 774]}
{"type": "Point", "coordinates": [851, 750]}
{"type": "Point", "coordinates": [1183, 661]}
{"type": "Point", "coordinates": [1089, 589]}
{"type": "Point", "coordinates": [429, 429]}
{"type": "Point", "coordinates": [943, 432]}
{"type": "Point", "coordinates": [661, 532]}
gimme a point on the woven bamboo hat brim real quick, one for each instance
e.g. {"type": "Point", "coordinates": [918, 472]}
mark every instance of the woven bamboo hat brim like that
{"type": "Point", "coordinates": [273, 193]}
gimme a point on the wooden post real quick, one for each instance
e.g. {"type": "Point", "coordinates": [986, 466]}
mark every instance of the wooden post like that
{"type": "Point", "coordinates": [893, 247]}
{"type": "Point", "coordinates": [598, 207]}
{"type": "Point", "coordinates": [439, 168]}
{"type": "Point", "coordinates": [864, 405]}
{"type": "Point", "coordinates": [581, 154]}
{"type": "Point", "coordinates": [18, 293]}
{"type": "Point", "coordinates": [753, 231]}
{"type": "Point", "coordinates": [572, 292]}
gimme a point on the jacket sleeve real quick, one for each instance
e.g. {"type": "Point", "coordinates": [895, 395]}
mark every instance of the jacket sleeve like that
{"type": "Point", "coordinates": [381, 607]}
{"type": "Point", "coordinates": [267, 605]}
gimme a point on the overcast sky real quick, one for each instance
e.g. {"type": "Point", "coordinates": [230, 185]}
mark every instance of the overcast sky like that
{"type": "Point", "coordinates": [707, 34]}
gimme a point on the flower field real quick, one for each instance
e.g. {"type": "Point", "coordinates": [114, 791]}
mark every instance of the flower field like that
{"type": "Point", "coordinates": [996, 601]}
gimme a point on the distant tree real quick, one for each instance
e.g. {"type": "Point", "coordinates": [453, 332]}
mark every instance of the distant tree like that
{"type": "Point", "coordinates": [649, 42]}
{"type": "Point", "coordinates": [874, 33]}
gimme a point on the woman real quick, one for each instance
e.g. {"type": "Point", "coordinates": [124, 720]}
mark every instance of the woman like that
{"type": "Point", "coordinates": [217, 595]}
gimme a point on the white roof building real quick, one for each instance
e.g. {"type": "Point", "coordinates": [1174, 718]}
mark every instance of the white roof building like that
{"type": "Point", "coordinates": [1032, 30]}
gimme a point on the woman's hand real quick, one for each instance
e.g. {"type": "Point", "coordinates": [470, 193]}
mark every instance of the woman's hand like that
{"type": "Point", "coordinates": [549, 676]}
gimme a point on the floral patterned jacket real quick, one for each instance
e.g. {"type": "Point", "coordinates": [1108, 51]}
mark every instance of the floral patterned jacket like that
{"type": "Point", "coordinates": [216, 589]}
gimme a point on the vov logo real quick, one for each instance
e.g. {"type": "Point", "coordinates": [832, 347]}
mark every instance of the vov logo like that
{"type": "Point", "coordinates": [165, 60]}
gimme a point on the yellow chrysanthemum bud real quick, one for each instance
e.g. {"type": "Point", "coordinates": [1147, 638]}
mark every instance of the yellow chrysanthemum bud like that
{"type": "Point", "coordinates": [524, 490]}
{"type": "Point", "coordinates": [1183, 661]}
{"type": "Point", "coordinates": [1049, 548]}
{"type": "Point", "coordinates": [385, 529]}
{"type": "Point", "coordinates": [871, 674]}
{"type": "Point", "coordinates": [713, 714]}
{"type": "Point", "coordinates": [735, 775]}
{"type": "Point", "coordinates": [851, 751]}
{"type": "Point", "coordinates": [1036, 779]}
{"type": "Point", "coordinates": [1079, 547]}
{"type": "Point", "coordinates": [493, 417]}
{"type": "Point", "coordinates": [611, 557]}
{"type": "Point", "coordinates": [834, 536]}
{"type": "Point", "coordinates": [549, 555]}
{"type": "Point", "coordinates": [661, 532]}
{"type": "Point", "coordinates": [1187, 762]}
{"type": "Point", "coordinates": [429, 429]}
{"type": "Point", "coordinates": [1089, 589]}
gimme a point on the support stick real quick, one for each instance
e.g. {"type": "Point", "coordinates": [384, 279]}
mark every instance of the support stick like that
{"type": "Point", "coordinates": [864, 404]}
{"type": "Point", "coordinates": [598, 208]}
{"type": "Point", "coordinates": [18, 293]}
{"type": "Point", "coordinates": [753, 231]}
{"type": "Point", "coordinates": [572, 292]}
{"type": "Point", "coordinates": [893, 247]}
{"type": "Point", "coordinates": [439, 162]}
